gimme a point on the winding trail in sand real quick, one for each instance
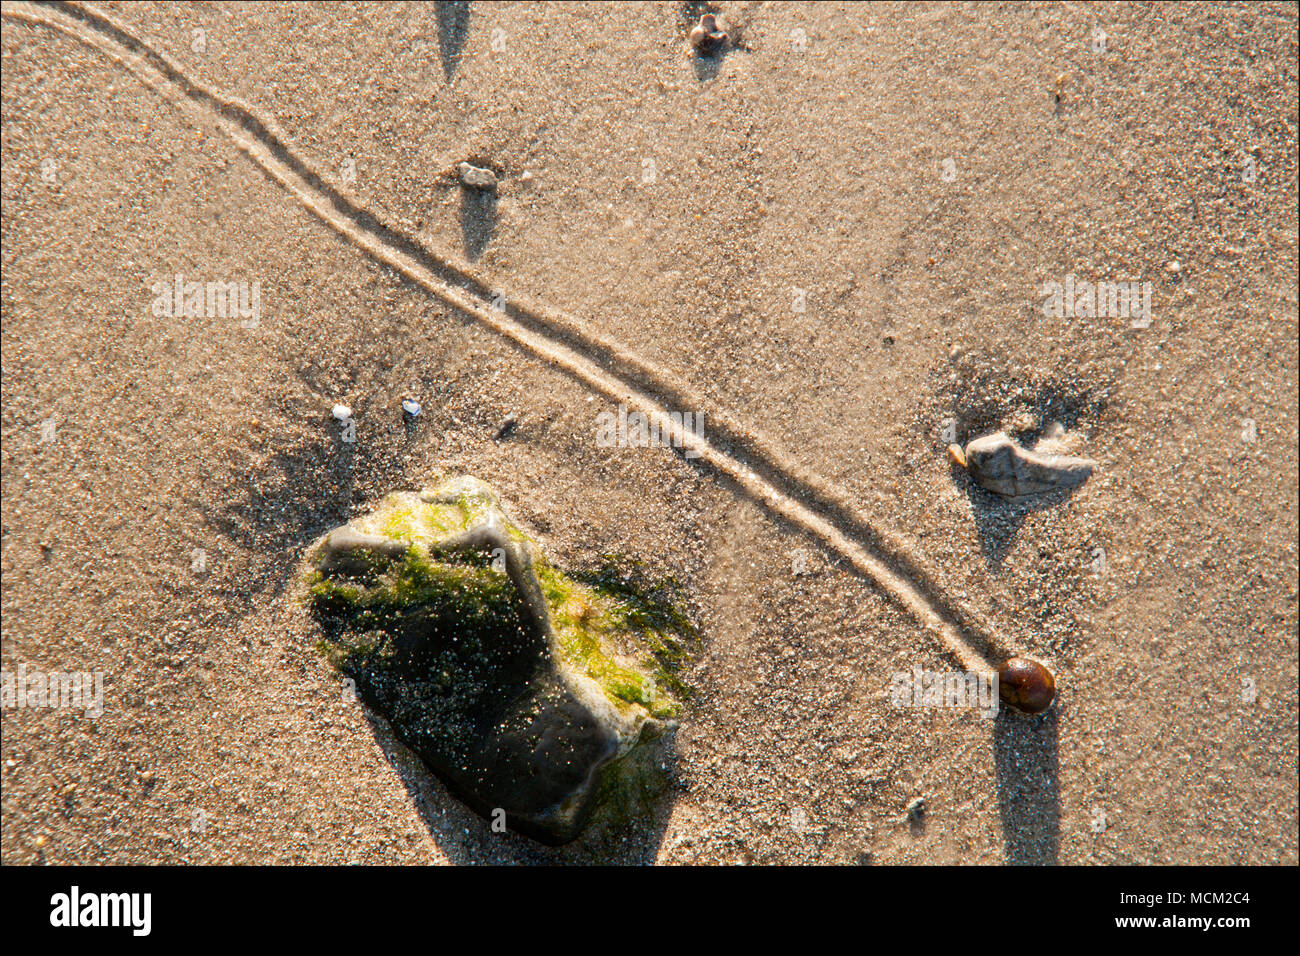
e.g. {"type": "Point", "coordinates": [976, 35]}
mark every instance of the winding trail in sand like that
{"type": "Point", "coordinates": [748, 462]}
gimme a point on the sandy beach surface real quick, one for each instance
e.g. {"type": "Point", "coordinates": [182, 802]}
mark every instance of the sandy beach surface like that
{"type": "Point", "coordinates": [839, 234]}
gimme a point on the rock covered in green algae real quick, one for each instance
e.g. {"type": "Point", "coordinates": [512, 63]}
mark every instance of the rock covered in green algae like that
{"type": "Point", "coordinates": [523, 687]}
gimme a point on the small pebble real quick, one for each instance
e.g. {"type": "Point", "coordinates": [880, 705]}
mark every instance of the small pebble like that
{"type": "Point", "coordinates": [342, 412]}
{"type": "Point", "coordinates": [477, 177]}
{"type": "Point", "coordinates": [507, 425]}
{"type": "Point", "coordinates": [916, 808]}
{"type": "Point", "coordinates": [1023, 421]}
{"type": "Point", "coordinates": [706, 36]}
{"type": "Point", "coordinates": [411, 408]}
{"type": "Point", "coordinates": [1000, 465]}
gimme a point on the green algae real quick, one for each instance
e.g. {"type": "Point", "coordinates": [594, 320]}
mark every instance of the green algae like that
{"type": "Point", "coordinates": [595, 613]}
{"type": "Point", "coordinates": [528, 688]}
{"type": "Point", "coordinates": [614, 624]}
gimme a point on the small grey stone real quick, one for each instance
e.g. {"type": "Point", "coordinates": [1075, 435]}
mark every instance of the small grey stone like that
{"type": "Point", "coordinates": [998, 464]}
{"type": "Point", "coordinates": [476, 177]}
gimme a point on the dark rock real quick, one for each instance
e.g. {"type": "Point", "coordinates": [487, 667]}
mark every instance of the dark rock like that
{"type": "Point", "coordinates": [521, 687]}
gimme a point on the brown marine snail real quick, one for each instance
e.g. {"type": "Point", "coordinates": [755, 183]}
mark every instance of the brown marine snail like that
{"type": "Point", "coordinates": [1026, 685]}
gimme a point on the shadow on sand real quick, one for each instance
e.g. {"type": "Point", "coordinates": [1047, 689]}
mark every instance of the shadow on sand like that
{"type": "Point", "coordinates": [1026, 771]}
{"type": "Point", "coordinates": [997, 520]}
{"type": "Point", "coordinates": [478, 219]}
{"type": "Point", "coordinates": [453, 28]}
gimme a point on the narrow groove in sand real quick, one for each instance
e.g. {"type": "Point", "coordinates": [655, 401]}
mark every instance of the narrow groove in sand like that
{"type": "Point", "coordinates": [784, 487]}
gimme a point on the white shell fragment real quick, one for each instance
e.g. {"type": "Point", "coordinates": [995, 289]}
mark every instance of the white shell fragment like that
{"type": "Point", "coordinates": [342, 412]}
{"type": "Point", "coordinates": [410, 407]}
{"type": "Point", "coordinates": [998, 464]}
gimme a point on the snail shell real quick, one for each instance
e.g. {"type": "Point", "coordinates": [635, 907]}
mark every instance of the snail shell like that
{"type": "Point", "coordinates": [1026, 685]}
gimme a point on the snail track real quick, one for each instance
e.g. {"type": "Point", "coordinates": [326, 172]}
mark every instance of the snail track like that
{"type": "Point", "coordinates": [745, 460]}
